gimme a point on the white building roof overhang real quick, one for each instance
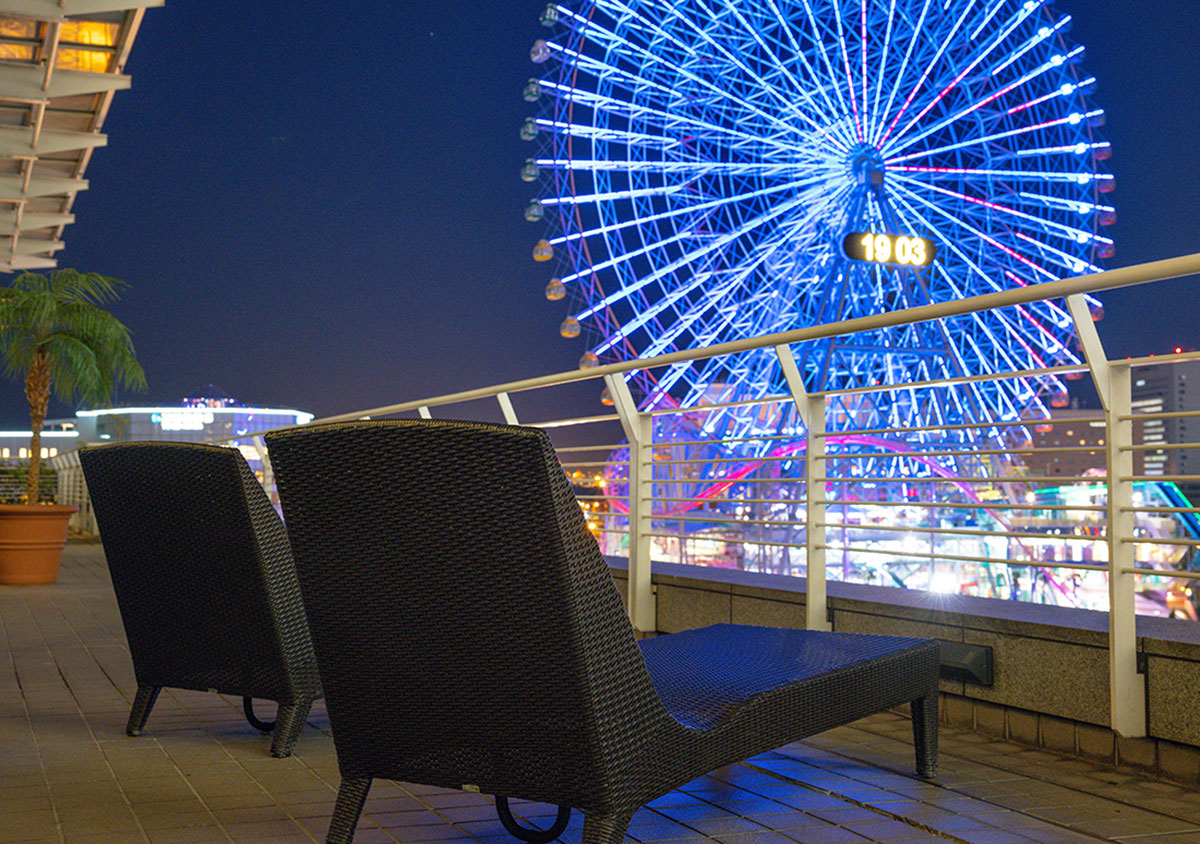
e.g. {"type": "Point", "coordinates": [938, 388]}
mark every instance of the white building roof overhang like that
{"type": "Point", "coordinates": [61, 62]}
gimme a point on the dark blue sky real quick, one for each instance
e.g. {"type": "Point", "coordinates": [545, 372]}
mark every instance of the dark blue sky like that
{"type": "Point", "coordinates": [318, 206]}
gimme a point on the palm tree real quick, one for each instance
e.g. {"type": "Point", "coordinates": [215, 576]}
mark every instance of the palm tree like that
{"type": "Point", "coordinates": [55, 334]}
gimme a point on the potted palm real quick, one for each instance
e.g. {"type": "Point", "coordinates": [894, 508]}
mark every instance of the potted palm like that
{"type": "Point", "coordinates": [56, 336]}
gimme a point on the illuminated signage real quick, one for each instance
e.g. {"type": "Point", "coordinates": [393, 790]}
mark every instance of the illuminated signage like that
{"type": "Point", "coordinates": [901, 250]}
{"type": "Point", "coordinates": [182, 419]}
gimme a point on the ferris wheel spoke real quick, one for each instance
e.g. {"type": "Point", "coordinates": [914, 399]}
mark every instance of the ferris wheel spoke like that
{"type": "Point", "coordinates": [1071, 119]}
{"type": "Point", "coordinates": [585, 198]}
{"type": "Point", "coordinates": [945, 45]}
{"type": "Point", "coordinates": [627, 110]}
{"type": "Point", "coordinates": [774, 58]}
{"type": "Point", "coordinates": [717, 243]}
{"type": "Point", "coordinates": [684, 211]}
{"type": "Point", "coordinates": [1020, 335]}
{"type": "Point", "coordinates": [1001, 358]}
{"type": "Point", "coordinates": [1017, 175]}
{"type": "Point", "coordinates": [1072, 233]}
{"type": "Point", "coordinates": [1064, 149]}
{"type": "Point", "coordinates": [841, 38]}
{"type": "Point", "coordinates": [958, 221]}
{"type": "Point", "coordinates": [901, 144]}
{"type": "Point", "coordinates": [1050, 342]}
{"type": "Point", "coordinates": [763, 84]}
{"type": "Point", "coordinates": [1066, 90]}
{"type": "Point", "coordinates": [918, 30]}
{"type": "Point", "coordinates": [966, 71]}
{"type": "Point", "coordinates": [721, 92]}
{"type": "Point", "coordinates": [831, 110]}
{"type": "Point", "coordinates": [978, 319]}
{"type": "Point", "coordinates": [623, 136]}
{"type": "Point", "coordinates": [694, 168]}
{"type": "Point", "coordinates": [952, 350]}
{"type": "Point", "coordinates": [712, 333]}
{"type": "Point", "coordinates": [820, 44]}
{"type": "Point", "coordinates": [1037, 38]}
{"type": "Point", "coordinates": [1075, 205]}
{"type": "Point", "coordinates": [1068, 262]}
{"type": "Point", "coordinates": [620, 260]}
{"type": "Point", "coordinates": [948, 244]}
{"type": "Point", "coordinates": [872, 120]}
{"type": "Point", "coordinates": [1046, 308]}
{"type": "Point", "coordinates": [742, 274]}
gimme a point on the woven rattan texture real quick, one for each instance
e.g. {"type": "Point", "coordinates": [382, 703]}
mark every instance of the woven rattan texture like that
{"type": "Point", "coordinates": [469, 632]}
{"type": "Point", "coordinates": [202, 571]}
{"type": "Point", "coordinates": [448, 573]}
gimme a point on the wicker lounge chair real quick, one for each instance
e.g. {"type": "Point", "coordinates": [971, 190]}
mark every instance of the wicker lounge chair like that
{"type": "Point", "coordinates": [204, 578]}
{"type": "Point", "coordinates": [470, 635]}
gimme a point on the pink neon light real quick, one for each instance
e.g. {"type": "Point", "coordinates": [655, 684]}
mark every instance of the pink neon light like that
{"type": "Point", "coordinates": [1029, 349]}
{"type": "Point", "coordinates": [850, 86]}
{"type": "Point", "coordinates": [1041, 327]}
{"type": "Point", "coordinates": [938, 98]}
{"type": "Point", "coordinates": [864, 63]}
{"type": "Point", "coordinates": [1031, 103]}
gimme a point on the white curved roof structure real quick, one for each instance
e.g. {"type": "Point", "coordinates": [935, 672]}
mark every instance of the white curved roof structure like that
{"type": "Point", "coordinates": [61, 62]}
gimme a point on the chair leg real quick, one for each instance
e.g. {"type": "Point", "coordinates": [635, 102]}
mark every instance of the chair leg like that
{"type": "Point", "coordinates": [252, 719]}
{"type": "Point", "coordinates": [605, 829]}
{"type": "Point", "coordinates": [925, 734]}
{"type": "Point", "coordinates": [346, 812]}
{"type": "Point", "coordinates": [289, 721]}
{"type": "Point", "coordinates": [143, 702]}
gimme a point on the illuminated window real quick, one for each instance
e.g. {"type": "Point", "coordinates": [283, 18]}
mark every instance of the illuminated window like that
{"type": "Point", "coordinates": [5, 453]}
{"type": "Point", "coordinates": [17, 29]}
{"type": "Point", "coordinates": [86, 32]}
{"type": "Point", "coordinates": [23, 453]}
{"type": "Point", "coordinates": [54, 452]}
{"type": "Point", "coordinates": [45, 453]}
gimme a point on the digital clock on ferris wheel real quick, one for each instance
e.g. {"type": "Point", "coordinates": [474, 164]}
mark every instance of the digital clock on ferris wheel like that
{"type": "Point", "coordinates": [893, 249]}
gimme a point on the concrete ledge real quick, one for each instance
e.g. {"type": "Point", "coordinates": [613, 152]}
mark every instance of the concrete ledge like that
{"type": "Point", "coordinates": [1051, 663]}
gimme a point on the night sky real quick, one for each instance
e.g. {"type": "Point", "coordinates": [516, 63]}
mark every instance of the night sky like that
{"type": "Point", "coordinates": [321, 209]}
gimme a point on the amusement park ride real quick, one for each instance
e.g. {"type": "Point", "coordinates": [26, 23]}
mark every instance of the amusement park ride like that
{"type": "Point", "coordinates": [708, 170]}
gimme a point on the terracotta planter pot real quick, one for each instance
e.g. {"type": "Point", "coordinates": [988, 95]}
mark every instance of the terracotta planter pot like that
{"type": "Point", "coordinates": [31, 542]}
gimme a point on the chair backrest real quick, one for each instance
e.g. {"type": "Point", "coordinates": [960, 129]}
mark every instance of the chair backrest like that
{"type": "Point", "coordinates": [202, 570]}
{"type": "Point", "coordinates": [467, 628]}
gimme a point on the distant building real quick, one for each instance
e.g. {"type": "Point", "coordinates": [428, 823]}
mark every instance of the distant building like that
{"type": "Point", "coordinates": [56, 438]}
{"type": "Point", "coordinates": [1076, 445]}
{"type": "Point", "coordinates": [200, 418]}
{"type": "Point", "coordinates": [1166, 388]}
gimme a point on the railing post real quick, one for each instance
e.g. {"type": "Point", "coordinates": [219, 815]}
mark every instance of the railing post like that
{"type": "Point", "coordinates": [506, 407]}
{"type": "Point", "coordinates": [1127, 691]}
{"type": "Point", "coordinates": [639, 430]}
{"type": "Point", "coordinates": [814, 541]}
{"type": "Point", "coordinates": [268, 474]}
{"type": "Point", "coordinates": [811, 410]}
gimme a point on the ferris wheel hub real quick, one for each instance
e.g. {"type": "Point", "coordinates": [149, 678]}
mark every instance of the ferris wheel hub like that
{"type": "Point", "coordinates": [865, 163]}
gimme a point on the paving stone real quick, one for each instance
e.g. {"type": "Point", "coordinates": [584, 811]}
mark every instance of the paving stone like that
{"type": "Point", "coordinates": [200, 775]}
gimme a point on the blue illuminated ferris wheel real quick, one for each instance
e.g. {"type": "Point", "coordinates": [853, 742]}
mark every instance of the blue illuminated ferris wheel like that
{"type": "Point", "coordinates": [702, 165]}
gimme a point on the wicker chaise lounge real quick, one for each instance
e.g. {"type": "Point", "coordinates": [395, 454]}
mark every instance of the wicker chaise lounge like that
{"type": "Point", "coordinates": [204, 578]}
{"type": "Point", "coordinates": [469, 635]}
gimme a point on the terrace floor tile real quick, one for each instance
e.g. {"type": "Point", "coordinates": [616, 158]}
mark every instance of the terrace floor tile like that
{"type": "Point", "coordinates": [200, 775]}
